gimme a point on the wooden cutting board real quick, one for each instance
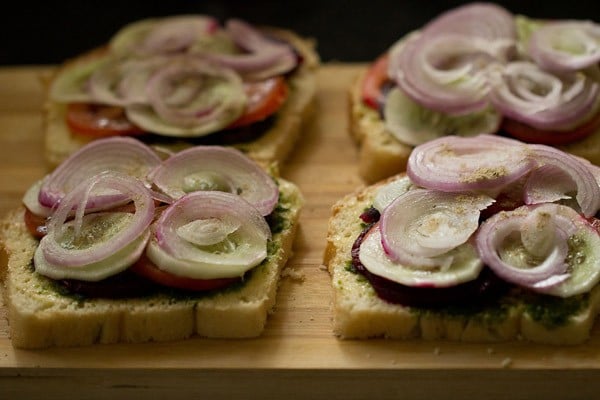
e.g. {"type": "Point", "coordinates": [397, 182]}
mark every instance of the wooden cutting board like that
{"type": "Point", "coordinates": [297, 356]}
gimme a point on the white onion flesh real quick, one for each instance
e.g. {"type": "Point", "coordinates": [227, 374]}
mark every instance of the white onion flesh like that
{"type": "Point", "coordinates": [263, 58]}
{"type": "Point", "coordinates": [426, 223]}
{"type": "Point", "coordinates": [579, 176]}
{"type": "Point", "coordinates": [216, 168]}
{"type": "Point", "coordinates": [453, 163]}
{"type": "Point", "coordinates": [189, 97]}
{"type": "Point", "coordinates": [530, 247]}
{"type": "Point", "coordinates": [118, 154]}
{"type": "Point", "coordinates": [240, 250]}
{"type": "Point", "coordinates": [526, 93]}
{"type": "Point", "coordinates": [69, 245]}
{"type": "Point", "coordinates": [566, 45]}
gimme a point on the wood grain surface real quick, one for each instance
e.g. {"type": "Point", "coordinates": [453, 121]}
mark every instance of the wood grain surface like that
{"type": "Point", "coordinates": [297, 357]}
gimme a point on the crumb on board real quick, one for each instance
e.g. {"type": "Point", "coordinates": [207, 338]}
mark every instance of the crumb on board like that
{"type": "Point", "coordinates": [293, 274]}
{"type": "Point", "coordinates": [506, 362]}
{"type": "Point", "coordinates": [490, 350]}
{"type": "Point", "coordinates": [436, 351]}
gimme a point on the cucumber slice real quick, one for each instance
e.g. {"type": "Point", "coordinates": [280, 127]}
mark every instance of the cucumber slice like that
{"type": "Point", "coordinates": [70, 85]}
{"type": "Point", "coordinates": [97, 228]}
{"type": "Point", "coordinates": [465, 265]}
{"type": "Point", "coordinates": [413, 124]}
{"type": "Point", "coordinates": [584, 263]}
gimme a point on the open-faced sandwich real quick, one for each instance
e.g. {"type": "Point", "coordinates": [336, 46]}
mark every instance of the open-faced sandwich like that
{"type": "Point", "coordinates": [118, 244]}
{"type": "Point", "coordinates": [478, 69]}
{"type": "Point", "coordinates": [483, 239]}
{"type": "Point", "coordinates": [186, 80]}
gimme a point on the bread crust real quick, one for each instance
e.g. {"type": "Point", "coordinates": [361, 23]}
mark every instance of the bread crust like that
{"type": "Point", "coordinates": [274, 145]}
{"type": "Point", "coordinates": [358, 313]}
{"type": "Point", "coordinates": [39, 316]}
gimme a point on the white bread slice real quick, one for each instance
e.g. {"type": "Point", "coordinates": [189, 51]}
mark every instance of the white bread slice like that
{"type": "Point", "coordinates": [273, 146]}
{"type": "Point", "coordinates": [358, 313]}
{"type": "Point", "coordinates": [39, 316]}
{"type": "Point", "coordinates": [382, 155]}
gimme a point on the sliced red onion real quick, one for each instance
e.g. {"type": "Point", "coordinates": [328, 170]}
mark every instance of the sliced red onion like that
{"type": "Point", "coordinates": [505, 254]}
{"type": "Point", "coordinates": [184, 246]}
{"type": "Point", "coordinates": [120, 154]}
{"type": "Point", "coordinates": [177, 34]}
{"type": "Point", "coordinates": [421, 224]}
{"type": "Point", "coordinates": [526, 93]}
{"type": "Point", "coordinates": [203, 168]}
{"type": "Point", "coordinates": [454, 163]}
{"type": "Point", "coordinates": [391, 191]}
{"type": "Point", "coordinates": [484, 20]}
{"type": "Point", "coordinates": [566, 45]}
{"type": "Point", "coordinates": [579, 175]}
{"type": "Point", "coordinates": [445, 73]}
{"type": "Point", "coordinates": [189, 97]}
{"type": "Point", "coordinates": [547, 184]}
{"type": "Point", "coordinates": [167, 35]}
{"type": "Point", "coordinates": [123, 81]}
{"type": "Point", "coordinates": [60, 246]}
{"type": "Point", "coordinates": [31, 202]}
{"type": "Point", "coordinates": [264, 57]}
{"type": "Point", "coordinates": [445, 67]}
{"type": "Point", "coordinates": [461, 265]}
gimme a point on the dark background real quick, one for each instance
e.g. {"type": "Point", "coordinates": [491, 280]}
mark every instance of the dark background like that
{"type": "Point", "coordinates": [353, 30]}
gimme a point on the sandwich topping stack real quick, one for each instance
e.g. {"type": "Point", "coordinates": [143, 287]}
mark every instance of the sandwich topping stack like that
{"type": "Point", "coordinates": [119, 244]}
{"type": "Point", "coordinates": [479, 69]}
{"type": "Point", "coordinates": [185, 80]}
{"type": "Point", "coordinates": [483, 239]}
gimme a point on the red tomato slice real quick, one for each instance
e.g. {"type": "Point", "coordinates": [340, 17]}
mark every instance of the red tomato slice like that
{"type": "Point", "coordinates": [527, 134]}
{"type": "Point", "coordinates": [99, 120]}
{"type": "Point", "coordinates": [375, 76]}
{"type": "Point", "coordinates": [36, 225]}
{"type": "Point", "coordinates": [147, 269]}
{"type": "Point", "coordinates": [264, 99]}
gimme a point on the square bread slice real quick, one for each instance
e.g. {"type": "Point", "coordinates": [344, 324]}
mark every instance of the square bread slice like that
{"type": "Point", "coordinates": [358, 313]}
{"type": "Point", "coordinates": [41, 315]}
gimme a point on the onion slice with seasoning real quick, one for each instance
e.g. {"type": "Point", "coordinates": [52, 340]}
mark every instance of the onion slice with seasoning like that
{"type": "Point", "coordinates": [119, 154]}
{"type": "Point", "coordinates": [576, 176]}
{"type": "Point", "coordinates": [566, 45]}
{"type": "Point", "coordinates": [531, 247]}
{"type": "Point", "coordinates": [204, 168]}
{"type": "Point", "coordinates": [209, 235]}
{"type": "Point", "coordinates": [422, 224]}
{"type": "Point", "coordinates": [86, 242]}
{"type": "Point", "coordinates": [453, 163]}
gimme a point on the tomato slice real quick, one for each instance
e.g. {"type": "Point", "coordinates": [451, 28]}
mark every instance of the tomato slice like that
{"type": "Point", "coordinates": [528, 134]}
{"type": "Point", "coordinates": [147, 269]}
{"type": "Point", "coordinates": [99, 120]}
{"type": "Point", "coordinates": [264, 99]}
{"type": "Point", "coordinates": [36, 225]}
{"type": "Point", "coordinates": [374, 79]}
